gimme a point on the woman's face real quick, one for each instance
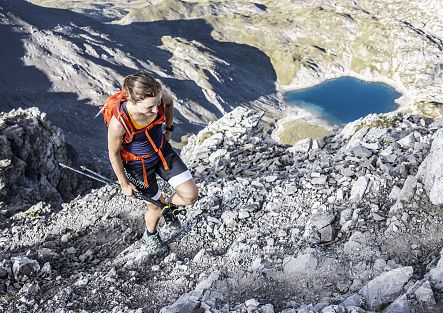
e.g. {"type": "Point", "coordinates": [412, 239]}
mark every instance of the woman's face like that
{"type": "Point", "coordinates": [149, 105]}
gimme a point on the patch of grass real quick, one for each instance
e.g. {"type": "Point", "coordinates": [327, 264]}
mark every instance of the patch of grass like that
{"type": "Point", "coordinates": [426, 109]}
{"type": "Point", "coordinates": [294, 131]}
{"type": "Point", "coordinates": [381, 122]}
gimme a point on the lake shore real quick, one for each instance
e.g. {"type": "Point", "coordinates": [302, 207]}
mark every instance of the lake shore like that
{"type": "Point", "coordinates": [299, 123]}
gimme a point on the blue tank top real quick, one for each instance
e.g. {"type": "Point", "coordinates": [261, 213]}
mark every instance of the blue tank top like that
{"type": "Point", "coordinates": [140, 144]}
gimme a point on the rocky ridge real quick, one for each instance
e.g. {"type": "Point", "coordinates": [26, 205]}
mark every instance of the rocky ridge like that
{"type": "Point", "coordinates": [350, 223]}
{"type": "Point", "coordinates": [30, 149]}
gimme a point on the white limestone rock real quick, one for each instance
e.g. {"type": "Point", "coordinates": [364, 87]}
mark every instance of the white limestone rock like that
{"type": "Point", "coordinates": [430, 171]}
{"type": "Point", "coordinates": [303, 145]}
{"type": "Point", "coordinates": [302, 264]}
{"type": "Point", "coordinates": [425, 296]}
{"type": "Point", "coordinates": [437, 273]}
{"type": "Point", "coordinates": [408, 190]}
{"type": "Point", "coordinates": [400, 305]}
{"type": "Point", "coordinates": [229, 218]}
{"type": "Point", "coordinates": [386, 287]}
{"type": "Point", "coordinates": [359, 188]}
{"type": "Point", "coordinates": [356, 139]}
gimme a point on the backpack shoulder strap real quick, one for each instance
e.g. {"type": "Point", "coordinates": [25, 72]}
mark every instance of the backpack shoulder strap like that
{"type": "Point", "coordinates": [123, 119]}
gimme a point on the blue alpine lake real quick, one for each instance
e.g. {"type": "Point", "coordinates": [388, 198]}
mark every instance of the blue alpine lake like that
{"type": "Point", "coordinates": [345, 99]}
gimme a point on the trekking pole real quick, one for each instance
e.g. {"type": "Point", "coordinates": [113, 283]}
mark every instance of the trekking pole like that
{"type": "Point", "coordinates": [84, 168]}
{"type": "Point", "coordinates": [85, 174]}
{"type": "Point", "coordinates": [169, 211]}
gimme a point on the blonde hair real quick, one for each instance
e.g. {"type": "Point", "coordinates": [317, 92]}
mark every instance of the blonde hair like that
{"type": "Point", "coordinates": [140, 85]}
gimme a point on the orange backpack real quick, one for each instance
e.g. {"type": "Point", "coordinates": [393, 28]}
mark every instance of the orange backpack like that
{"type": "Point", "coordinates": [113, 107]}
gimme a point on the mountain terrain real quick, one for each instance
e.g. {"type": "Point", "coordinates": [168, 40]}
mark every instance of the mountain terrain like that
{"type": "Point", "coordinates": [348, 219]}
{"type": "Point", "coordinates": [350, 223]}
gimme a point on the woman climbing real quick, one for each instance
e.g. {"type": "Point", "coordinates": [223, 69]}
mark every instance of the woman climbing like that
{"type": "Point", "coordinates": [139, 149]}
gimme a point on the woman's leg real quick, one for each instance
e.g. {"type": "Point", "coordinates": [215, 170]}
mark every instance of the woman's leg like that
{"type": "Point", "coordinates": [179, 177]}
{"type": "Point", "coordinates": [152, 215]}
{"type": "Point", "coordinates": [186, 193]}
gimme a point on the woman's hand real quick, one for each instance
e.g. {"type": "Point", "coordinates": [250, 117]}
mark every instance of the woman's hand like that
{"type": "Point", "coordinates": [128, 189]}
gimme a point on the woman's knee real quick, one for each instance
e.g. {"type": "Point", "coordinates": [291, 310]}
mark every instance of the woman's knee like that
{"type": "Point", "coordinates": [189, 193]}
{"type": "Point", "coordinates": [193, 197]}
{"type": "Point", "coordinates": [193, 194]}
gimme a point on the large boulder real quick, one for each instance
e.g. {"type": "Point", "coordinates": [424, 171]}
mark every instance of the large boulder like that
{"type": "Point", "coordinates": [386, 288]}
{"type": "Point", "coordinates": [431, 170]}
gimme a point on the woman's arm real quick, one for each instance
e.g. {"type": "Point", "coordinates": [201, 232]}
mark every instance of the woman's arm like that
{"type": "Point", "coordinates": [115, 136]}
{"type": "Point", "coordinates": [169, 110]}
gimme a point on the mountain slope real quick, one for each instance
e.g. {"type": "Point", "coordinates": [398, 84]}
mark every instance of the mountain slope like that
{"type": "Point", "coordinates": [277, 228]}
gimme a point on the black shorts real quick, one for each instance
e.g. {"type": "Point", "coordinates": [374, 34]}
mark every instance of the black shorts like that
{"type": "Point", "coordinates": [177, 174]}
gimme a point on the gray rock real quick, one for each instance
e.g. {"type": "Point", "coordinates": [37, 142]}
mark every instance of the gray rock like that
{"type": "Point", "coordinates": [46, 269]}
{"type": "Point", "coordinates": [303, 145]}
{"type": "Point", "coordinates": [302, 264]}
{"type": "Point", "coordinates": [252, 303]}
{"type": "Point", "coordinates": [183, 304]}
{"type": "Point", "coordinates": [361, 152]}
{"type": "Point", "coordinates": [256, 265]}
{"type": "Point", "coordinates": [267, 308]}
{"type": "Point", "coordinates": [25, 266]}
{"type": "Point", "coordinates": [436, 125]}
{"type": "Point", "coordinates": [319, 180]}
{"type": "Point", "coordinates": [408, 190]}
{"type": "Point", "coordinates": [437, 273]}
{"type": "Point", "coordinates": [318, 226]}
{"type": "Point", "coordinates": [376, 217]}
{"type": "Point", "coordinates": [425, 296]}
{"type": "Point", "coordinates": [356, 138]}
{"type": "Point", "coordinates": [374, 134]}
{"type": "Point", "coordinates": [355, 300]}
{"type": "Point", "coordinates": [386, 287]}
{"type": "Point", "coordinates": [345, 215]}
{"type": "Point", "coordinates": [359, 188]}
{"type": "Point", "coordinates": [395, 191]}
{"type": "Point", "coordinates": [407, 141]}
{"type": "Point", "coordinates": [212, 219]}
{"type": "Point", "coordinates": [243, 214]}
{"type": "Point", "coordinates": [348, 131]}
{"type": "Point", "coordinates": [217, 155]}
{"type": "Point", "coordinates": [400, 305]}
{"type": "Point", "coordinates": [430, 171]}
{"type": "Point", "coordinates": [371, 146]}
{"type": "Point", "coordinates": [326, 234]}
{"type": "Point", "coordinates": [356, 243]}
{"type": "Point", "coordinates": [229, 218]}
{"type": "Point", "coordinates": [341, 309]}
{"type": "Point", "coordinates": [30, 289]}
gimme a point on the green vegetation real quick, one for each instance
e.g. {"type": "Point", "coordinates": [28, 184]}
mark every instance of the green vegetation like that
{"type": "Point", "coordinates": [382, 122]}
{"type": "Point", "coordinates": [293, 131]}
{"type": "Point", "coordinates": [426, 109]}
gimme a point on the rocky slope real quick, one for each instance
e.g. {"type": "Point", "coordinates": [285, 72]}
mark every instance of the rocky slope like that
{"type": "Point", "coordinates": [351, 223]}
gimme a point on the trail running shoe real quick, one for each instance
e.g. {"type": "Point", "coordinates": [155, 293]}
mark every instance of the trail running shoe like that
{"type": "Point", "coordinates": [154, 245]}
{"type": "Point", "coordinates": [170, 218]}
